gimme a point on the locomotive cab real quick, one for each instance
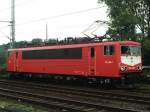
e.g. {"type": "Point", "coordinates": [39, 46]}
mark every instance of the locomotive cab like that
{"type": "Point", "coordinates": [130, 62]}
{"type": "Point", "coordinates": [131, 59]}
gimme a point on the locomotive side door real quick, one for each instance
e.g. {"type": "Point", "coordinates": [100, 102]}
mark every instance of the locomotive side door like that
{"type": "Point", "coordinates": [109, 65]}
{"type": "Point", "coordinates": [92, 61]}
{"type": "Point", "coordinates": [16, 61]}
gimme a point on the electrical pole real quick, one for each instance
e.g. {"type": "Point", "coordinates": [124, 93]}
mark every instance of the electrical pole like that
{"type": "Point", "coordinates": [12, 25]}
{"type": "Point", "coordinates": [46, 32]}
{"type": "Point", "coordinates": [13, 22]}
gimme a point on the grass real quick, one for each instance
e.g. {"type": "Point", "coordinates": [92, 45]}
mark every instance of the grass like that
{"type": "Point", "coordinates": [19, 106]}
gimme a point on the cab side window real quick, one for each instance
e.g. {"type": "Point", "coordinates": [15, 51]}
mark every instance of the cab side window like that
{"type": "Point", "coordinates": [109, 50]}
{"type": "Point", "coordinates": [16, 55]}
{"type": "Point", "coordinates": [9, 53]}
{"type": "Point", "coordinates": [92, 52]}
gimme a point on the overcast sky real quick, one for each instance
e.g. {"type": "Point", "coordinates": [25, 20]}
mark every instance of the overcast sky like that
{"type": "Point", "coordinates": [60, 15]}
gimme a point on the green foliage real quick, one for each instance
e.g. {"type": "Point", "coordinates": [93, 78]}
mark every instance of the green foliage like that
{"type": "Point", "coordinates": [52, 41]}
{"type": "Point", "coordinates": [3, 58]}
{"type": "Point", "coordinates": [21, 44]}
{"type": "Point", "coordinates": [15, 106]}
{"type": "Point", "coordinates": [146, 45]}
{"type": "Point", "coordinates": [36, 41]}
{"type": "Point", "coordinates": [3, 71]}
{"type": "Point", "coordinates": [146, 48]}
{"type": "Point", "coordinates": [126, 16]}
{"type": "Point", "coordinates": [2, 55]}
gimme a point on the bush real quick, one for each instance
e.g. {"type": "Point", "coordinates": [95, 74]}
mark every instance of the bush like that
{"type": "Point", "coordinates": [3, 71]}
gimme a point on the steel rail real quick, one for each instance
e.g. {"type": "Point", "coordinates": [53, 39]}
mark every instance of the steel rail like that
{"type": "Point", "coordinates": [96, 94]}
{"type": "Point", "coordinates": [44, 100]}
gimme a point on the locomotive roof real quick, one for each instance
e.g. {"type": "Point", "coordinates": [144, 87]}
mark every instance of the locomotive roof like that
{"type": "Point", "coordinates": [77, 45]}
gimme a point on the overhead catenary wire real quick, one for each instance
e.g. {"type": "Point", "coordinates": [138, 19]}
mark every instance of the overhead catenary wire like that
{"type": "Point", "coordinates": [59, 16]}
{"type": "Point", "coordinates": [94, 27]}
{"type": "Point", "coordinates": [5, 35]}
{"type": "Point", "coordinates": [16, 5]}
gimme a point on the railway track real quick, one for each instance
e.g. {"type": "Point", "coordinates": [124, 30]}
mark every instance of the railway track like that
{"type": "Point", "coordinates": [129, 97]}
{"type": "Point", "coordinates": [24, 91]}
{"type": "Point", "coordinates": [57, 102]}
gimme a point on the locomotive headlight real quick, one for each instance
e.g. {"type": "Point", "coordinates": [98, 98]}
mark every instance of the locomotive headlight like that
{"type": "Point", "coordinates": [139, 67]}
{"type": "Point", "coordinates": [123, 68]}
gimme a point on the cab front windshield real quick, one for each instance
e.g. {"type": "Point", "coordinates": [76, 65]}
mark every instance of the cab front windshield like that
{"type": "Point", "coordinates": [131, 50]}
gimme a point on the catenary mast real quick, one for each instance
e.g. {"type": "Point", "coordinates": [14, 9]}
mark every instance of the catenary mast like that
{"type": "Point", "coordinates": [13, 22]}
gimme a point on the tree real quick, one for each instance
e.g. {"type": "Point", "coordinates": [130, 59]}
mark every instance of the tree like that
{"type": "Point", "coordinates": [3, 58]}
{"type": "Point", "coordinates": [21, 44]}
{"type": "Point", "coordinates": [52, 41]}
{"type": "Point", "coordinates": [37, 41]}
{"type": "Point", "coordinates": [128, 15]}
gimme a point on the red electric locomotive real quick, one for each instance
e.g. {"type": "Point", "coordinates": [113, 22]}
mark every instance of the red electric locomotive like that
{"type": "Point", "coordinates": [103, 62]}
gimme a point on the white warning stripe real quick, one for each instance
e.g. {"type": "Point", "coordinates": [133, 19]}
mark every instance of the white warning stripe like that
{"type": "Point", "coordinates": [131, 60]}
